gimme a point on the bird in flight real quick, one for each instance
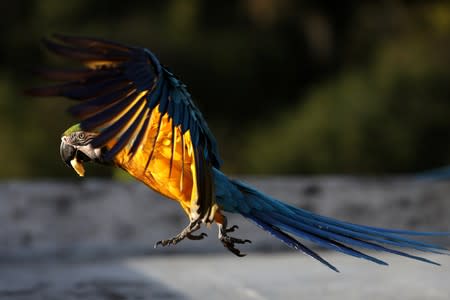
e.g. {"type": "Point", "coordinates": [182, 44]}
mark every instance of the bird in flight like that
{"type": "Point", "coordinates": [136, 115]}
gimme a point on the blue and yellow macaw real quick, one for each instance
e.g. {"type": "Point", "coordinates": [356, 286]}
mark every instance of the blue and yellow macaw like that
{"type": "Point", "coordinates": [136, 115]}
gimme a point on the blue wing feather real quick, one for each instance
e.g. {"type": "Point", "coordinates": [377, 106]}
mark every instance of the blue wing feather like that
{"type": "Point", "coordinates": [179, 108]}
{"type": "Point", "coordinates": [107, 114]}
{"type": "Point", "coordinates": [96, 104]}
{"type": "Point", "coordinates": [125, 137]}
{"type": "Point", "coordinates": [113, 129]}
{"type": "Point", "coordinates": [185, 121]}
{"type": "Point", "coordinates": [141, 134]}
{"type": "Point", "coordinates": [164, 100]}
{"type": "Point", "coordinates": [83, 53]}
{"type": "Point", "coordinates": [134, 68]}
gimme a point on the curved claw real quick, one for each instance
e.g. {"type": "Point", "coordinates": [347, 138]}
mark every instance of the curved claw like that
{"type": "Point", "coordinates": [232, 228]}
{"type": "Point", "coordinates": [196, 237]}
{"type": "Point", "coordinates": [185, 233]}
{"type": "Point", "coordinates": [229, 241]}
{"type": "Point", "coordinates": [235, 251]}
{"type": "Point", "coordinates": [161, 243]}
{"type": "Point", "coordinates": [232, 240]}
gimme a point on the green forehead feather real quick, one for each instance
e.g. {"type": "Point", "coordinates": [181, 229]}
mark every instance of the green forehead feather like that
{"type": "Point", "coordinates": [72, 129]}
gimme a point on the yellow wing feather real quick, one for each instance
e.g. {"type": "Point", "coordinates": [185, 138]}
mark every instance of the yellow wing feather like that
{"type": "Point", "coordinates": [177, 182]}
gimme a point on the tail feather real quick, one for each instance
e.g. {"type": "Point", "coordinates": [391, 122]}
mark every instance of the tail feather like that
{"type": "Point", "coordinates": [442, 173]}
{"type": "Point", "coordinates": [290, 241]}
{"type": "Point", "coordinates": [375, 234]}
{"type": "Point", "coordinates": [319, 239]}
{"type": "Point", "coordinates": [352, 240]}
{"type": "Point", "coordinates": [281, 220]}
{"type": "Point", "coordinates": [404, 232]}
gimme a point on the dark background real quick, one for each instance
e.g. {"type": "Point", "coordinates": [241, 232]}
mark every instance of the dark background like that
{"type": "Point", "coordinates": [288, 87]}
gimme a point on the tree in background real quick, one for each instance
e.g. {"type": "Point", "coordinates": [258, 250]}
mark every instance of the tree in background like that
{"type": "Point", "coordinates": [287, 86]}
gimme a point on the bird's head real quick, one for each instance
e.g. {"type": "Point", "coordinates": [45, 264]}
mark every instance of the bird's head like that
{"type": "Point", "coordinates": [76, 148]}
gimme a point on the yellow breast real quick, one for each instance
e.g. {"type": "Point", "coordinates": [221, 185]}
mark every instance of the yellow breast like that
{"type": "Point", "coordinates": [171, 168]}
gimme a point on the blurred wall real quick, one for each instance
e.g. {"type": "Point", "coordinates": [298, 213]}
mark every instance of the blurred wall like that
{"type": "Point", "coordinates": [101, 218]}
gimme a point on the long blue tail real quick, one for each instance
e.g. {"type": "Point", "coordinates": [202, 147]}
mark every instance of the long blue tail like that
{"type": "Point", "coordinates": [442, 173]}
{"type": "Point", "coordinates": [285, 221]}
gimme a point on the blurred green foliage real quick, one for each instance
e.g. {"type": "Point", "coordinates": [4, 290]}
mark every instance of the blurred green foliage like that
{"type": "Point", "coordinates": [287, 86]}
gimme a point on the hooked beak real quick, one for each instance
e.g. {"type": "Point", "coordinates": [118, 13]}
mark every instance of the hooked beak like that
{"type": "Point", "coordinates": [69, 156]}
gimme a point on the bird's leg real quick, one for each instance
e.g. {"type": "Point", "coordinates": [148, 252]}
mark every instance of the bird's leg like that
{"type": "Point", "coordinates": [187, 232]}
{"type": "Point", "coordinates": [229, 241]}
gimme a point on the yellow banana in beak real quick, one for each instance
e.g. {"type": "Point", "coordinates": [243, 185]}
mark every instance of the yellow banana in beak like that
{"type": "Point", "coordinates": [78, 167]}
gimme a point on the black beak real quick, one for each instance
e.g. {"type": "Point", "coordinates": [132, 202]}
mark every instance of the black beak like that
{"type": "Point", "coordinates": [67, 152]}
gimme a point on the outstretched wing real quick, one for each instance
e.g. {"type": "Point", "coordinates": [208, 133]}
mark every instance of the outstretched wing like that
{"type": "Point", "coordinates": [122, 92]}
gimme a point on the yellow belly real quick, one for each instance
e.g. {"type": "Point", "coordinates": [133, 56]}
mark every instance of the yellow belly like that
{"type": "Point", "coordinates": [172, 177]}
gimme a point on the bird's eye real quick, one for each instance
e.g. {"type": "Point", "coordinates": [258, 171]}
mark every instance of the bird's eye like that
{"type": "Point", "coordinates": [81, 135]}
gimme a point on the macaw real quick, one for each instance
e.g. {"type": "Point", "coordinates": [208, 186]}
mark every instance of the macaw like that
{"type": "Point", "coordinates": [137, 115]}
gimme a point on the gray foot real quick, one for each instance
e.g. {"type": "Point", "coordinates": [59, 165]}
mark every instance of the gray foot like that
{"type": "Point", "coordinates": [185, 233]}
{"type": "Point", "coordinates": [228, 241]}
